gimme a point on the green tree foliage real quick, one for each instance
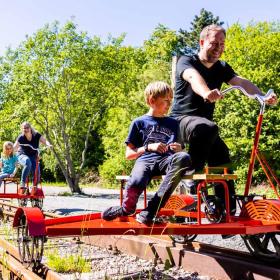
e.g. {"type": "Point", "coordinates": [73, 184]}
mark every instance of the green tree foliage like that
{"type": "Point", "coordinates": [190, 39]}
{"type": "Point", "coordinates": [156, 57]}
{"type": "Point", "coordinates": [64, 82]}
{"type": "Point", "coordinates": [253, 51]}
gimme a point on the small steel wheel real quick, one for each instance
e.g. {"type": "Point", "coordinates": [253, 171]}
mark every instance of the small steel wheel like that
{"type": "Point", "coordinates": [22, 202]}
{"type": "Point", "coordinates": [264, 246]}
{"type": "Point", "coordinates": [37, 202]}
{"type": "Point", "coordinates": [30, 247]}
{"type": "Point", "coordinates": [1, 214]}
{"type": "Point", "coordinates": [183, 239]}
{"type": "Point", "coordinates": [214, 210]}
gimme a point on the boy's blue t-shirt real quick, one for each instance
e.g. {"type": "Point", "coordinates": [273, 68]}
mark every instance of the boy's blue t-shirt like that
{"type": "Point", "coordinates": [148, 129]}
{"type": "Point", "coordinates": [8, 164]}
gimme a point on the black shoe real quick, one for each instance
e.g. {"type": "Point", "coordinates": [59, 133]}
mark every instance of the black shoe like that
{"type": "Point", "coordinates": [144, 218]}
{"type": "Point", "coordinates": [112, 213]}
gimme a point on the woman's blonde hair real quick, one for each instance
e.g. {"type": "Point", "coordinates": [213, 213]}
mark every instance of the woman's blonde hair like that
{"type": "Point", "coordinates": [24, 124]}
{"type": "Point", "coordinates": [5, 146]}
{"type": "Point", "coordinates": [157, 89]}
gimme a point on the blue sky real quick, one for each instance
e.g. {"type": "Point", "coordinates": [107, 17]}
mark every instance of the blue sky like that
{"type": "Point", "coordinates": [136, 18]}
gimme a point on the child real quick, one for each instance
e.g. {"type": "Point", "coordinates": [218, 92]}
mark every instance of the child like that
{"type": "Point", "coordinates": [8, 161]}
{"type": "Point", "coordinates": [153, 141]}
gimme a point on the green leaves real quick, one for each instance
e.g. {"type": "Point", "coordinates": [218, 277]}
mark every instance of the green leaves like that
{"type": "Point", "coordinates": [253, 51]}
{"type": "Point", "coordinates": [83, 93]}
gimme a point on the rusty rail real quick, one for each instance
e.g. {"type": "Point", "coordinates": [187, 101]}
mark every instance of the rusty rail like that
{"type": "Point", "coordinates": [10, 261]}
{"type": "Point", "coordinates": [213, 261]}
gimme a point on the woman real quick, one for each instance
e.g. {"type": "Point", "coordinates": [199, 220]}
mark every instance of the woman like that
{"type": "Point", "coordinates": [26, 155]}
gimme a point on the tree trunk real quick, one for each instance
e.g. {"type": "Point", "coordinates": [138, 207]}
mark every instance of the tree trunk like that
{"type": "Point", "coordinates": [73, 185]}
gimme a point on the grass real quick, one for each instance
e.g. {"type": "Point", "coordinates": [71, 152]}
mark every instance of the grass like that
{"type": "Point", "coordinates": [67, 264]}
{"type": "Point", "coordinates": [54, 184]}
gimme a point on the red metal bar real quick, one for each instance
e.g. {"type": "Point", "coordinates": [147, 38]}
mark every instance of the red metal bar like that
{"type": "Point", "coordinates": [145, 197]}
{"type": "Point", "coordinates": [253, 155]}
{"type": "Point", "coordinates": [129, 226]}
{"type": "Point", "coordinates": [265, 165]}
{"type": "Point", "coordinates": [121, 192]}
{"type": "Point", "coordinates": [203, 185]}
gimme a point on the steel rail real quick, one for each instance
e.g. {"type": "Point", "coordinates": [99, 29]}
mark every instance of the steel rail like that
{"type": "Point", "coordinates": [11, 262]}
{"type": "Point", "coordinates": [213, 261]}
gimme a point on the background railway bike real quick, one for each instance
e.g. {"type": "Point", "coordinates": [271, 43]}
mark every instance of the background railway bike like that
{"type": "Point", "coordinates": [258, 221]}
{"type": "Point", "coordinates": [36, 195]}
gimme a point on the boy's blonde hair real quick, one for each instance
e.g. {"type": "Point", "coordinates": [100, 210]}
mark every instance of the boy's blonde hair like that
{"type": "Point", "coordinates": [5, 146]}
{"type": "Point", "coordinates": [157, 89]}
{"type": "Point", "coordinates": [212, 27]}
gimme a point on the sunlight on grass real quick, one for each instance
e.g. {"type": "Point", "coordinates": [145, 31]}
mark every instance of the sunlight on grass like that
{"type": "Point", "coordinates": [67, 264]}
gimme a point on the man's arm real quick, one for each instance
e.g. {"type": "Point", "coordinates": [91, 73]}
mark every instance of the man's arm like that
{"type": "Point", "coordinates": [199, 85]}
{"type": "Point", "coordinates": [246, 84]}
{"type": "Point", "coordinates": [251, 88]}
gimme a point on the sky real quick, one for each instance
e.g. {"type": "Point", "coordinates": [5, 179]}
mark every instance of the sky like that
{"type": "Point", "coordinates": [137, 19]}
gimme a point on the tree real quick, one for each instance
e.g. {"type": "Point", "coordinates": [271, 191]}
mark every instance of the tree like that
{"type": "Point", "coordinates": [253, 52]}
{"type": "Point", "coordinates": [63, 82]}
{"type": "Point", "coordinates": [190, 39]}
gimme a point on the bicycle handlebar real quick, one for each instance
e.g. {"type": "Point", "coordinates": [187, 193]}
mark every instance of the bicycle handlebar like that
{"type": "Point", "coordinates": [35, 149]}
{"type": "Point", "coordinates": [261, 98]}
{"type": "Point", "coordinates": [28, 145]}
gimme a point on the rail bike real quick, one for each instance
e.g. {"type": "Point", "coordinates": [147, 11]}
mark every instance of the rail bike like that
{"type": "Point", "coordinates": [182, 217]}
{"type": "Point", "coordinates": [36, 195]}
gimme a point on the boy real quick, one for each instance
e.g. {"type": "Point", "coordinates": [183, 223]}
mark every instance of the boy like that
{"type": "Point", "coordinates": [153, 140]}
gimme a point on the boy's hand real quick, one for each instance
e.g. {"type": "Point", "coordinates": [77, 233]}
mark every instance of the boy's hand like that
{"type": "Point", "coordinates": [158, 147]}
{"type": "Point", "coordinates": [175, 147]}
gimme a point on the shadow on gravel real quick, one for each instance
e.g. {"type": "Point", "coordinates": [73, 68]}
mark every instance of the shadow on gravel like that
{"type": "Point", "coordinates": [68, 211]}
{"type": "Point", "coordinates": [98, 196]}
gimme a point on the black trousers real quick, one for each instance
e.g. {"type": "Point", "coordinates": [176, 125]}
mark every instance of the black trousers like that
{"type": "Point", "coordinates": [206, 146]}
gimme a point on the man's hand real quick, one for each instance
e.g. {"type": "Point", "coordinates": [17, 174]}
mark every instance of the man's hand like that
{"type": "Point", "coordinates": [272, 100]}
{"type": "Point", "coordinates": [213, 95]}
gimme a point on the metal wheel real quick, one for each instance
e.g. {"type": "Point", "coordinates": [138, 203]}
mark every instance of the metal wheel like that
{"type": "Point", "coordinates": [183, 239]}
{"type": "Point", "coordinates": [1, 214]}
{"type": "Point", "coordinates": [22, 202]}
{"type": "Point", "coordinates": [214, 209]}
{"type": "Point", "coordinates": [37, 202]}
{"type": "Point", "coordinates": [30, 247]}
{"type": "Point", "coordinates": [264, 246]}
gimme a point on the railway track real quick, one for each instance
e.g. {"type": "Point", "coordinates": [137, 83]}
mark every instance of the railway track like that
{"type": "Point", "coordinates": [11, 266]}
{"type": "Point", "coordinates": [204, 259]}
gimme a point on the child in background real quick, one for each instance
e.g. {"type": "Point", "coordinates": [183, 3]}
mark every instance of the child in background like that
{"type": "Point", "coordinates": [8, 162]}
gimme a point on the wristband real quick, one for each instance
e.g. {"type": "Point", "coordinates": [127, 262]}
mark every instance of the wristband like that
{"type": "Point", "coordinates": [146, 148]}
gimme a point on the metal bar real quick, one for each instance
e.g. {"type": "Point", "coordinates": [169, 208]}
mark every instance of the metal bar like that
{"type": "Point", "coordinates": [264, 165]}
{"type": "Point", "coordinates": [253, 155]}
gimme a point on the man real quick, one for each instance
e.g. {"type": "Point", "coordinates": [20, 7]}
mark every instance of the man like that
{"type": "Point", "coordinates": [197, 87]}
